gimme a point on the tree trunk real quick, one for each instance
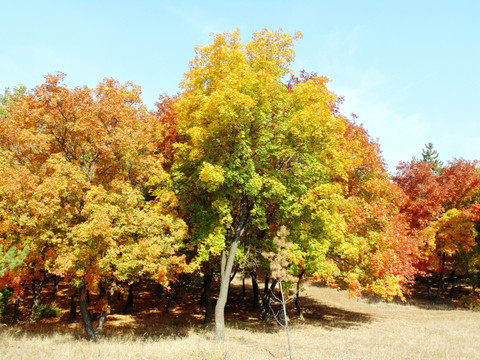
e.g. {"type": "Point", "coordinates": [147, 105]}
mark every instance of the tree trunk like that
{"type": "Point", "coordinates": [86, 316]}
{"type": "Point", "coordinates": [16, 311]}
{"type": "Point", "coordinates": [129, 302]}
{"type": "Point", "coordinates": [207, 291]}
{"type": "Point", "coordinates": [244, 294]}
{"type": "Point", "coordinates": [284, 318]}
{"type": "Point", "coordinates": [257, 303]}
{"type": "Point", "coordinates": [94, 334]}
{"type": "Point", "coordinates": [267, 283]}
{"type": "Point", "coordinates": [225, 272]}
{"type": "Point", "coordinates": [452, 280]}
{"type": "Point", "coordinates": [229, 283]}
{"type": "Point", "coordinates": [101, 291]}
{"type": "Point", "coordinates": [170, 297]}
{"type": "Point", "coordinates": [56, 282]}
{"type": "Point", "coordinates": [297, 295]}
{"type": "Point", "coordinates": [36, 299]}
{"type": "Point", "coordinates": [103, 315]}
{"type": "Point", "coordinates": [266, 301]}
{"type": "Point", "coordinates": [72, 317]}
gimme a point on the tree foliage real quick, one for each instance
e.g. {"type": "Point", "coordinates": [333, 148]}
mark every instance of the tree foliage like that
{"type": "Point", "coordinates": [255, 153]}
{"type": "Point", "coordinates": [83, 186]}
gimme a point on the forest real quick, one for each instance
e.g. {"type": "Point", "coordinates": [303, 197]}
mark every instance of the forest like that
{"type": "Point", "coordinates": [250, 170]}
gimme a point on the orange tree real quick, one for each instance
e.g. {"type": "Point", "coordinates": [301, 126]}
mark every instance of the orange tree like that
{"type": "Point", "coordinates": [91, 160]}
{"type": "Point", "coordinates": [440, 209]}
{"type": "Point", "coordinates": [254, 154]}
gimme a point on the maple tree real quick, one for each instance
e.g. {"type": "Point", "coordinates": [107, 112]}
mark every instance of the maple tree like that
{"type": "Point", "coordinates": [440, 206]}
{"type": "Point", "coordinates": [254, 154]}
{"type": "Point", "coordinates": [88, 159]}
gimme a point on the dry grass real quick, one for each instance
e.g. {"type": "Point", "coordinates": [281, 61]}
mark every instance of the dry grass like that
{"type": "Point", "coordinates": [335, 328]}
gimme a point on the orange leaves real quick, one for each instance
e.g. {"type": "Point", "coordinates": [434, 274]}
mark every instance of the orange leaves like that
{"type": "Point", "coordinates": [441, 209]}
{"type": "Point", "coordinates": [86, 157]}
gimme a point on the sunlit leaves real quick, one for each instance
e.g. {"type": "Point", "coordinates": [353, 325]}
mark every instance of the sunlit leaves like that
{"type": "Point", "coordinates": [90, 158]}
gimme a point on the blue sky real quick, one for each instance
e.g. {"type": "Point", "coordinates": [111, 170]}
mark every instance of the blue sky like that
{"type": "Point", "coordinates": [410, 70]}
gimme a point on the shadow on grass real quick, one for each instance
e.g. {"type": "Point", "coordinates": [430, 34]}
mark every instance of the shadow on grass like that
{"type": "Point", "coordinates": [148, 319]}
{"type": "Point", "coordinates": [419, 297]}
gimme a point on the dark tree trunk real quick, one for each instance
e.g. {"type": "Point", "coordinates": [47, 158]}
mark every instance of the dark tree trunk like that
{"type": "Point", "coordinates": [297, 295]}
{"type": "Point", "coordinates": [86, 316]}
{"type": "Point", "coordinates": [101, 292]}
{"type": "Point", "coordinates": [56, 282]}
{"type": "Point", "coordinates": [267, 299]}
{"type": "Point", "coordinates": [129, 302]}
{"type": "Point", "coordinates": [267, 282]}
{"type": "Point", "coordinates": [72, 317]}
{"type": "Point", "coordinates": [87, 298]}
{"type": "Point", "coordinates": [244, 294]}
{"type": "Point", "coordinates": [229, 283]}
{"type": "Point", "coordinates": [435, 287]}
{"type": "Point", "coordinates": [170, 298]}
{"type": "Point", "coordinates": [94, 334]}
{"type": "Point", "coordinates": [16, 311]}
{"type": "Point", "coordinates": [207, 291]}
{"type": "Point", "coordinates": [452, 280]}
{"type": "Point", "coordinates": [36, 299]}
{"type": "Point", "coordinates": [257, 302]}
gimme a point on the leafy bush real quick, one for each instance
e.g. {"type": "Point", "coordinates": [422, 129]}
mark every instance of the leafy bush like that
{"type": "Point", "coordinates": [471, 302]}
{"type": "Point", "coordinates": [47, 311]}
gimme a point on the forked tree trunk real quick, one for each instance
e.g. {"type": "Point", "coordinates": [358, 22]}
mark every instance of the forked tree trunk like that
{"type": "Point", "coordinates": [86, 316]}
{"type": "Point", "coordinates": [93, 334]}
{"type": "Point", "coordinates": [225, 272]}
{"type": "Point", "coordinates": [36, 298]}
{"type": "Point", "coordinates": [267, 300]}
{"type": "Point", "coordinates": [103, 315]}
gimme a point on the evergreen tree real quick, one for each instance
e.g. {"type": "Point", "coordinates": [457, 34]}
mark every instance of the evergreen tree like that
{"type": "Point", "coordinates": [430, 155]}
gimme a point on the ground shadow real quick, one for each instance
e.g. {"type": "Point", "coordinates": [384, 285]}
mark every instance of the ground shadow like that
{"type": "Point", "coordinates": [147, 317]}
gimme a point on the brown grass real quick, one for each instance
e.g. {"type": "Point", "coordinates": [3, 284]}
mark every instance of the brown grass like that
{"type": "Point", "coordinates": [335, 327]}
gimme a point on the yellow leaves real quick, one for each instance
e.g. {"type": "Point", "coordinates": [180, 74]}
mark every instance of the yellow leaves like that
{"type": "Point", "coordinates": [354, 285]}
{"type": "Point", "coordinates": [197, 135]}
{"type": "Point", "coordinates": [254, 185]}
{"type": "Point", "coordinates": [387, 287]}
{"type": "Point", "coordinates": [455, 232]}
{"type": "Point", "coordinates": [211, 176]}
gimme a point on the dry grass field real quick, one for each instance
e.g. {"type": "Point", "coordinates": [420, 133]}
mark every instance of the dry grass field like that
{"type": "Point", "coordinates": [335, 327]}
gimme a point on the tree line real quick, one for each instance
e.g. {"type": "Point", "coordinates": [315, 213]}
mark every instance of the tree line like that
{"type": "Point", "coordinates": [249, 168]}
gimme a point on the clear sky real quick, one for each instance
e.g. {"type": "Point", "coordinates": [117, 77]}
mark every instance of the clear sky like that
{"type": "Point", "coordinates": [410, 70]}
